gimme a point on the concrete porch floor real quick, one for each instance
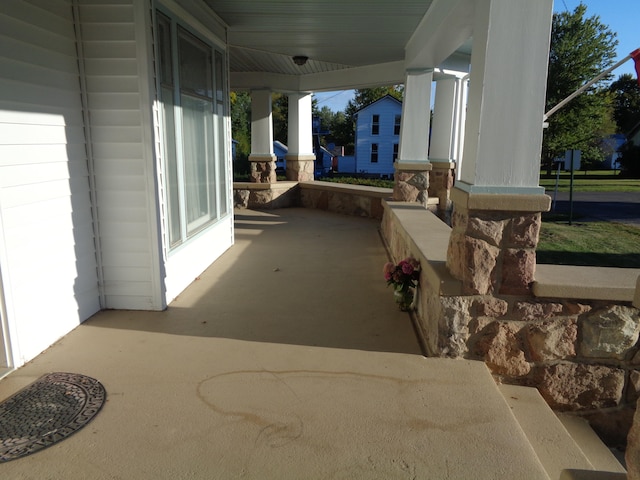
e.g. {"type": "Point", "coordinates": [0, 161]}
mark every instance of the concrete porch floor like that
{"type": "Point", "coordinates": [286, 359]}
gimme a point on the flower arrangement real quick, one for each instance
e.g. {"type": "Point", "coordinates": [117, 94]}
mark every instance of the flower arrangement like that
{"type": "Point", "coordinates": [403, 276]}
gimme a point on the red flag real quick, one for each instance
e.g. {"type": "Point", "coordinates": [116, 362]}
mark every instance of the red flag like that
{"type": "Point", "coordinates": [636, 58]}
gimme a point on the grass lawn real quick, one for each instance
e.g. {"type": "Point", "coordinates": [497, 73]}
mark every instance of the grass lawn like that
{"type": "Point", "coordinates": [602, 244]}
{"type": "Point", "coordinates": [597, 181]}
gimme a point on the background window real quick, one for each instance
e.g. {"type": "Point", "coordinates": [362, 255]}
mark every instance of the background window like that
{"type": "Point", "coordinates": [375, 124]}
{"type": "Point", "coordinates": [395, 152]}
{"type": "Point", "coordinates": [374, 153]}
{"type": "Point", "coordinates": [396, 125]}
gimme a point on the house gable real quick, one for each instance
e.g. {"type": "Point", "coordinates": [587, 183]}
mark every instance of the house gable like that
{"type": "Point", "coordinates": [378, 136]}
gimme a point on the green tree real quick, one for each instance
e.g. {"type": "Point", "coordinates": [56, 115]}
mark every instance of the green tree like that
{"type": "Point", "coordinates": [366, 96]}
{"type": "Point", "coordinates": [626, 102]}
{"type": "Point", "coordinates": [280, 115]}
{"type": "Point", "coordinates": [241, 130]}
{"type": "Point", "coordinates": [581, 48]}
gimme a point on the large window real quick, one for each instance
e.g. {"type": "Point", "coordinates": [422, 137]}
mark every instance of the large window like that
{"type": "Point", "coordinates": [191, 75]}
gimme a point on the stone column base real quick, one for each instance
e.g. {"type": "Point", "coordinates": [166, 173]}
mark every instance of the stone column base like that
{"type": "Point", "coordinates": [411, 182]}
{"type": "Point", "coordinates": [440, 185]}
{"type": "Point", "coordinates": [300, 168]}
{"type": "Point", "coordinates": [263, 168]}
{"type": "Point", "coordinates": [492, 248]}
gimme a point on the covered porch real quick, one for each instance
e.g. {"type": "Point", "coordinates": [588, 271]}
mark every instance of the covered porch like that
{"type": "Point", "coordinates": [287, 358]}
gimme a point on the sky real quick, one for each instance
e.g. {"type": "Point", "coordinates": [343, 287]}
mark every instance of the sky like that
{"type": "Point", "coordinates": [618, 15]}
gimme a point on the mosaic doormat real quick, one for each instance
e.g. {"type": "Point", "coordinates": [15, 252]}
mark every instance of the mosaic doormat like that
{"type": "Point", "coordinates": [46, 412]}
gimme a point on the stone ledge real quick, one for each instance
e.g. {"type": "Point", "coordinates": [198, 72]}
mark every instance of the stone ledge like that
{"type": "Point", "coordinates": [579, 282]}
{"type": "Point", "coordinates": [429, 235]}
{"type": "Point", "coordinates": [500, 201]}
{"type": "Point", "coordinates": [360, 190]}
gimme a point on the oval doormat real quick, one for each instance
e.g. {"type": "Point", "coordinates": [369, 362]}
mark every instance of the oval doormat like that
{"type": "Point", "coordinates": [46, 412]}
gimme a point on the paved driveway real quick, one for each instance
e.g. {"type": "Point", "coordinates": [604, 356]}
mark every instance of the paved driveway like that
{"type": "Point", "coordinates": [622, 207]}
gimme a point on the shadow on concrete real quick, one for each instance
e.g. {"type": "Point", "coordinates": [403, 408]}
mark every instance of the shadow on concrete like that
{"type": "Point", "coordinates": [294, 276]}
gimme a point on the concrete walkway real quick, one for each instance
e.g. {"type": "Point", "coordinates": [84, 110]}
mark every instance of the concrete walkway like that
{"type": "Point", "coordinates": [287, 359]}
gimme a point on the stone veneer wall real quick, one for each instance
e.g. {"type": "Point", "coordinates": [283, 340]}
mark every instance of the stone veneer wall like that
{"type": "Point", "coordinates": [582, 355]}
{"type": "Point", "coordinates": [346, 199]}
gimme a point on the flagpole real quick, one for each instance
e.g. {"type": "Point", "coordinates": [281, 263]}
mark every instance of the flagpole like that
{"type": "Point", "coordinates": [587, 85]}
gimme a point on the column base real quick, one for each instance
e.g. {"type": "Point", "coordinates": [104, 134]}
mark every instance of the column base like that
{"type": "Point", "coordinates": [441, 181]}
{"type": "Point", "coordinates": [300, 168]}
{"type": "Point", "coordinates": [492, 248]}
{"type": "Point", "coordinates": [263, 169]}
{"type": "Point", "coordinates": [411, 181]}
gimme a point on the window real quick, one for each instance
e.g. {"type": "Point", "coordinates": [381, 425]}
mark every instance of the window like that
{"type": "Point", "coordinates": [375, 125]}
{"type": "Point", "coordinates": [374, 153]}
{"type": "Point", "coordinates": [191, 77]}
{"type": "Point", "coordinates": [395, 152]}
{"type": "Point", "coordinates": [396, 125]}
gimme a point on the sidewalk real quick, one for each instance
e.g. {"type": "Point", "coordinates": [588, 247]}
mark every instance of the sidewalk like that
{"type": "Point", "coordinates": [287, 359]}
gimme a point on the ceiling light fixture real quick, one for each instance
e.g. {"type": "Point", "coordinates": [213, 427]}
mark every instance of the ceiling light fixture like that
{"type": "Point", "coordinates": [300, 60]}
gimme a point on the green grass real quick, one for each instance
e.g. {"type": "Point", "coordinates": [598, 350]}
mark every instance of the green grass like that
{"type": "Point", "coordinates": [602, 244]}
{"type": "Point", "coordinates": [597, 181]}
{"type": "Point", "coordinates": [369, 182]}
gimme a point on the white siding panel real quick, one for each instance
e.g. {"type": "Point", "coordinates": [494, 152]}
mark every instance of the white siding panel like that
{"type": "Point", "coordinates": [110, 67]}
{"type": "Point", "coordinates": [113, 83]}
{"type": "Point", "coordinates": [48, 257]}
{"type": "Point", "coordinates": [122, 155]}
{"type": "Point", "coordinates": [107, 32]}
{"type": "Point", "coordinates": [109, 49]}
{"type": "Point", "coordinates": [32, 154]}
{"type": "Point", "coordinates": [122, 118]}
{"type": "Point", "coordinates": [109, 133]}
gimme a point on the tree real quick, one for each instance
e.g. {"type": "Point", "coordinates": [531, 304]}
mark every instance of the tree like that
{"type": "Point", "coordinates": [241, 130]}
{"type": "Point", "coordinates": [367, 96]}
{"type": "Point", "coordinates": [581, 48]}
{"type": "Point", "coordinates": [626, 102]}
{"type": "Point", "coordinates": [280, 115]}
{"type": "Point", "coordinates": [630, 160]}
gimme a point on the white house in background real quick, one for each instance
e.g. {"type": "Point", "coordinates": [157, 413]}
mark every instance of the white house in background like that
{"type": "Point", "coordinates": [377, 136]}
{"type": "Point", "coordinates": [115, 144]}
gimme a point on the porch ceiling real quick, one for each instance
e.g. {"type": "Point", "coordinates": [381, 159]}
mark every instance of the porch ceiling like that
{"type": "Point", "coordinates": [341, 38]}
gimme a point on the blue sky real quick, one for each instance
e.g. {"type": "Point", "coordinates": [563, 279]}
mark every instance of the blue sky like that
{"type": "Point", "coordinates": [619, 15]}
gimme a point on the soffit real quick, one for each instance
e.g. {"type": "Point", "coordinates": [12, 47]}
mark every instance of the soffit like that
{"type": "Point", "coordinates": [334, 34]}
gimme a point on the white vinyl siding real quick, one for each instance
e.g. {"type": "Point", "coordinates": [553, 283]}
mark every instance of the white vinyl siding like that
{"type": "Point", "coordinates": [118, 90]}
{"type": "Point", "coordinates": [375, 152]}
{"type": "Point", "coordinates": [47, 253]}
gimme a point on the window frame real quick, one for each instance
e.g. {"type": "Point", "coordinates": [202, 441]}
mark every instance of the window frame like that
{"type": "Point", "coordinates": [374, 153]}
{"type": "Point", "coordinates": [212, 172]}
{"type": "Point", "coordinates": [375, 124]}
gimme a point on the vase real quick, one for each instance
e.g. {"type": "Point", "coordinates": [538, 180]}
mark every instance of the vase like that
{"type": "Point", "coordinates": [404, 299]}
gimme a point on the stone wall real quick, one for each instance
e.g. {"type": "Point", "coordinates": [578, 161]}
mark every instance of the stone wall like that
{"type": "Point", "coordinates": [334, 197]}
{"type": "Point", "coordinates": [582, 355]}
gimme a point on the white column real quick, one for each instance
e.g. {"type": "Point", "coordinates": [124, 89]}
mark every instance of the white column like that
{"type": "Point", "coordinates": [443, 138]}
{"type": "Point", "coordinates": [462, 90]}
{"type": "Point", "coordinates": [300, 157]}
{"type": "Point", "coordinates": [262, 158]}
{"type": "Point", "coordinates": [443, 126]}
{"type": "Point", "coordinates": [506, 97]}
{"type": "Point", "coordinates": [416, 117]}
{"type": "Point", "coordinates": [411, 178]}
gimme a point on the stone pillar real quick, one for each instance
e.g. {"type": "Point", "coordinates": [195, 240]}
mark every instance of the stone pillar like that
{"type": "Point", "coordinates": [443, 142]}
{"type": "Point", "coordinates": [492, 248]}
{"type": "Point", "coordinates": [262, 158]}
{"type": "Point", "coordinates": [414, 139]}
{"type": "Point", "coordinates": [497, 201]}
{"type": "Point", "coordinates": [300, 158]}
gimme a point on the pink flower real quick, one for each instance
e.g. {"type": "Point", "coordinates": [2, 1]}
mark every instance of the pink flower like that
{"type": "Point", "coordinates": [388, 270]}
{"type": "Point", "coordinates": [407, 268]}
